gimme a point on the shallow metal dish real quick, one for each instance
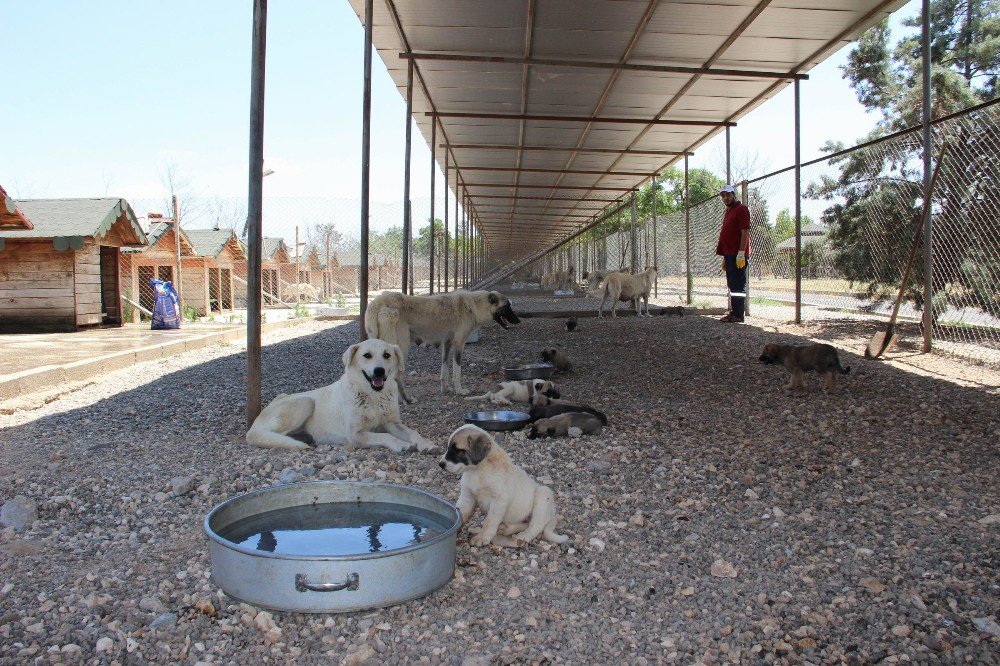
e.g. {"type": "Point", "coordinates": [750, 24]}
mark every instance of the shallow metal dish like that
{"type": "Point", "coordinates": [497, 420]}
{"type": "Point", "coordinates": [320, 583]}
{"type": "Point", "coordinates": [530, 371]}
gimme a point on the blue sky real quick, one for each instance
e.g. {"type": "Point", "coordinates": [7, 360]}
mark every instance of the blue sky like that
{"type": "Point", "coordinates": [103, 95]}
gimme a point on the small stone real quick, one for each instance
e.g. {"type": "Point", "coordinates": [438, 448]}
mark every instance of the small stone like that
{"type": "Point", "coordinates": [750, 494]}
{"type": "Point", "coordinates": [872, 585]}
{"type": "Point", "coordinates": [160, 498]}
{"type": "Point", "coordinates": [807, 643]}
{"type": "Point", "coordinates": [104, 644]}
{"type": "Point", "coordinates": [778, 513]}
{"type": "Point", "coordinates": [513, 593]}
{"type": "Point", "coordinates": [264, 621]}
{"type": "Point", "coordinates": [723, 569]}
{"type": "Point", "coordinates": [289, 475]}
{"type": "Point", "coordinates": [152, 604]}
{"type": "Point", "coordinates": [18, 513]}
{"type": "Point", "coordinates": [918, 603]}
{"type": "Point", "coordinates": [991, 519]}
{"type": "Point", "coordinates": [901, 630]}
{"type": "Point", "coordinates": [597, 543]}
{"type": "Point", "coordinates": [360, 655]}
{"type": "Point", "coordinates": [181, 485]}
{"type": "Point", "coordinates": [637, 519]}
{"type": "Point", "coordinates": [687, 591]}
{"type": "Point", "coordinates": [598, 467]}
{"type": "Point", "coordinates": [476, 660]}
{"type": "Point", "coordinates": [987, 625]}
{"type": "Point", "coordinates": [205, 606]}
{"type": "Point", "coordinates": [165, 621]}
{"type": "Point", "coordinates": [574, 432]}
{"type": "Point", "coordinates": [70, 648]}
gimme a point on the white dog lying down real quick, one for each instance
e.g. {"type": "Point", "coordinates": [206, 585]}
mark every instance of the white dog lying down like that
{"type": "Point", "coordinates": [627, 287]}
{"type": "Point", "coordinates": [521, 390]}
{"type": "Point", "coordinates": [517, 508]}
{"type": "Point", "coordinates": [359, 410]}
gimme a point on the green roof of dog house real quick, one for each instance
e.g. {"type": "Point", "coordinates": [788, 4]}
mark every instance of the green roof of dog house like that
{"type": "Point", "coordinates": [69, 222]}
{"type": "Point", "coordinates": [211, 242]}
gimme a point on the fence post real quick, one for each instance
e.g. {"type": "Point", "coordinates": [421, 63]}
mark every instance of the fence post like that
{"type": "Point", "coordinates": [925, 50]}
{"type": "Point", "coordinates": [687, 232]}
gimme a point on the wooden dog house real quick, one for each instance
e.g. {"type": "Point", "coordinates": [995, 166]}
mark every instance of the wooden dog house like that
{"type": "Point", "coordinates": [156, 260]}
{"type": "Point", "coordinates": [207, 277]}
{"type": "Point", "coordinates": [59, 262]}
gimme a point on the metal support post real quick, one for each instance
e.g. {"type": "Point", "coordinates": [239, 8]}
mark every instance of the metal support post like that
{"type": "Point", "coordinates": [633, 238]}
{"type": "Point", "coordinates": [455, 267]}
{"type": "Point", "coordinates": [433, 232]}
{"type": "Point", "coordinates": [687, 232]}
{"type": "Point", "coordinates": [729, 170]}
{"type": "Point", "coordinates": [407, 223]}
{"type": "Point", "coordinates": [798, 206]}
{"type": "Point", "coordinates": [447, 195]}
{"type": "Point", "coordinates": [366, 137]}
{"type": "Point", "coordinates": [255, 207]}
{"type": "Point", "coordinates": [925, 49]}
{"type": "Point", "coordinates": [656, 262]}
{"type": "Point", "coordinates": [744, 193]}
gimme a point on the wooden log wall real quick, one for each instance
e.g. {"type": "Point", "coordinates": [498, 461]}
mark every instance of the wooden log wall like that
{"type": "Point", "coordinates": [37, 290]}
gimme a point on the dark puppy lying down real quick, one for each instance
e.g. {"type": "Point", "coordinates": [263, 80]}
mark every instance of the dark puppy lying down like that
{"type": "Point", "coordinates": [544, 407]}
{"type": "Point", "coordinates": [559, 426]}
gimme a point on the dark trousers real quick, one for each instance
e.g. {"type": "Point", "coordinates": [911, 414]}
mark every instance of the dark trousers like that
{"type": "Point", "coordinates": [736, 279]}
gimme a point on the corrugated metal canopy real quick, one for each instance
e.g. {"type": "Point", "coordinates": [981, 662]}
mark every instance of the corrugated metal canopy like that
{"type": "Point", "coordinates": [595, 91]}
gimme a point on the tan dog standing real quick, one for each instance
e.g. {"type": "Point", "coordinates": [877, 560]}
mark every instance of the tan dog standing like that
{"type": "Point", "coordinates": [622, 287]}
{"type": "Point", "coordinates": [517, 508]}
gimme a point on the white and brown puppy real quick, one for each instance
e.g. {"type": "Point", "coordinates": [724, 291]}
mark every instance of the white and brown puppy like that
{"type": "Point", "coordinates": [558, 426]}
{"type": "Point", "coordinates": [522, 390]}
{"type": "Point", "coordinates": [359, 410]}
{"type": "Point", "coordinates": [558, 359]}
{"type": "Point", "coordinates": [517, 508]}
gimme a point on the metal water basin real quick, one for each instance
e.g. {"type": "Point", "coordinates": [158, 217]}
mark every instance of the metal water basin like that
{"type": "Point", "coordinates": [332, 546]}
{"type": "Point", "coordinates": [530, 371]}
{"type": "Point", "coordinates": [497, 420]}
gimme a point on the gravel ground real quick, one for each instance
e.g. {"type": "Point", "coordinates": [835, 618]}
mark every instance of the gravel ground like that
{"type": "Point", "coordinates": [715, 520]}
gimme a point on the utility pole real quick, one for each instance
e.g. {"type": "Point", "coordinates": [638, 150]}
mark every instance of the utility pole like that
{"type": "Point", "coordinates": [177, 250]}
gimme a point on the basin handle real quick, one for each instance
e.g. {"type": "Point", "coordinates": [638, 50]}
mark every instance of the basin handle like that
{"type": "Point", "coordinates": [302, 585]}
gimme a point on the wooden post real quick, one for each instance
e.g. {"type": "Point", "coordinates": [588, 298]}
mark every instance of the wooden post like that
{"type": "Point", "coordinates": [656, 262]}
{"type": "Point", "coordinates": [925, 50]}
{"type": "Point", "coordinates": [177, 253]}
{"type": "Point", "coordinates": [687, 232]}
{"type": "Point", "coordinates": [745, 192]}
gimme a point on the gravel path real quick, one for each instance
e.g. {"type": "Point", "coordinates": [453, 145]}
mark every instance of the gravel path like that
{"type": "Point", "coordinates": [706, 524]}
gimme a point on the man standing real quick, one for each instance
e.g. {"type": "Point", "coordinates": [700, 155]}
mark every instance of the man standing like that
{"type": "Point", "coordinates": [734, 248]}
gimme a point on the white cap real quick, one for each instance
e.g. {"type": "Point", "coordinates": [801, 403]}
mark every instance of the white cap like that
{"type": "Point", "coordinates": [728, 188]}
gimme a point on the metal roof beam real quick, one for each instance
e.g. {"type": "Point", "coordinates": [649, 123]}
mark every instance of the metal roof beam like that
{"type": "Point", "coordinates": [563, 149]}
{"type": "Point", "coordinates": [570, 171]}
{"type": "Point", "coordinates": [579, 119]}
{"type": "Point", "coordinates": [466, 186]}
{"type": "Point", "coordinates": [514, 196]}
{"type": "Point", "coordinates": [595, 64]}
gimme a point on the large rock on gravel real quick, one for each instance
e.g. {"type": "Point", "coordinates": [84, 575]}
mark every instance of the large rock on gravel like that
{"type": "Point", "coordinates": [181, 485]}
{"type": "Point", "coordinates": [152, 604]}
{"type": "Point", "coordinates": [18, 513]}
{"type": "Point", "coordinates": [165, 621]}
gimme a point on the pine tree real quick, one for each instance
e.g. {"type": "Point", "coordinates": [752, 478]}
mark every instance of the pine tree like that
{"type": "Point", "coordinates": [878, 192]}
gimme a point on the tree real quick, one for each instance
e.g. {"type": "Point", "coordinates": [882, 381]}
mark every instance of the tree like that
{"type": "Point", "coordinates": [878, 197]}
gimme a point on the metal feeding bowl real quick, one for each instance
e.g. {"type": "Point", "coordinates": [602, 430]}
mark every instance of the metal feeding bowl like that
{"type": "Point", "coordinates": [497, 420]}
{"type": "Point", "coordinates": [332, 546]}
{"type": "Point", "coordinates": [530, 371]}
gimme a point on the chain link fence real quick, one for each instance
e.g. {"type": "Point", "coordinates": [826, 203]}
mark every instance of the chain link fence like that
{"type": "Point", "coordinates": [860, 211]}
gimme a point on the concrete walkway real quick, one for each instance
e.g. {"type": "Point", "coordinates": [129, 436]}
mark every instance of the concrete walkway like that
{"type": "Point", "coordinates": [32, 362]}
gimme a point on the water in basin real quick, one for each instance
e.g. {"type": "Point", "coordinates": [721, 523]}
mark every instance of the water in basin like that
{"type": "Point", "coordinates": [338, 528]}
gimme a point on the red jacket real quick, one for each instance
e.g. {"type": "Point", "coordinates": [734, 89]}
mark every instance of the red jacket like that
{"type": "Point", "coordinates": [736, 220]}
